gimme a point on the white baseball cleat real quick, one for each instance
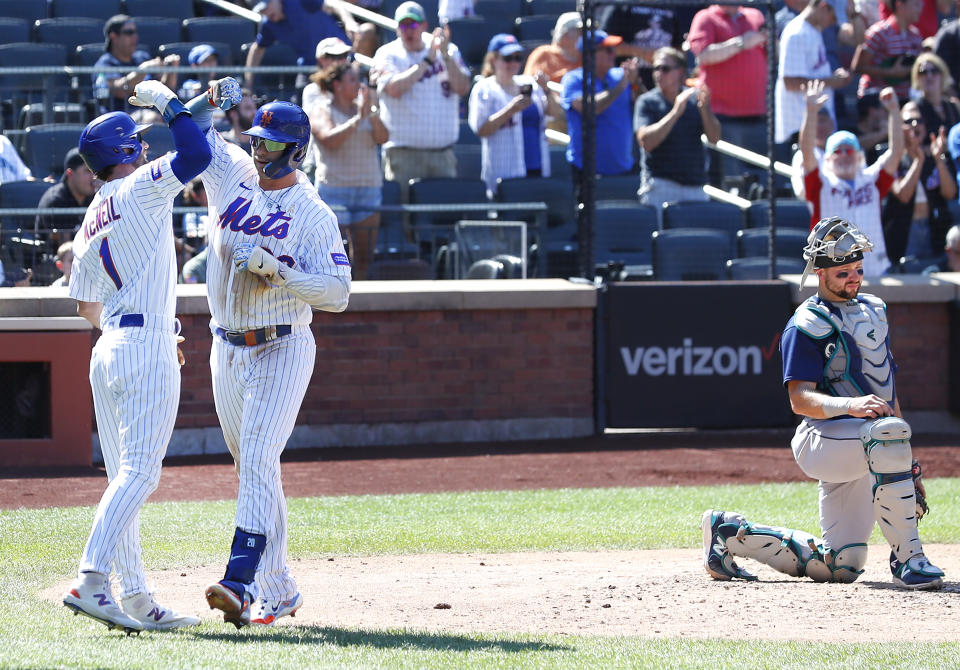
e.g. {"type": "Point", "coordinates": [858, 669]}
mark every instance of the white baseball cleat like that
{"type": "Point", "coordinates": [266, 612]}
{"type": "Point", "coordinates": [145, 609]}
{"type": "Point", "coordinates": [90, 595]}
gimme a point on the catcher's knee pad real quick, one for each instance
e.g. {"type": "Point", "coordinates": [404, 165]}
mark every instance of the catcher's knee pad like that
{"type": "Point", "coordinates": [841, 565]}
{"type": "Point", "coordinates": [886, 442]}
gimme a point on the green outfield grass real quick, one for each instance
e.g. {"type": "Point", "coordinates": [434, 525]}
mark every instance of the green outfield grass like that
{"type": "Point", "coordinates": [41, 547]}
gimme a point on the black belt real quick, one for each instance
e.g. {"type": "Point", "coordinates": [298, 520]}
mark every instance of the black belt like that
{"type": "Point", "coordinates": [249, 338]}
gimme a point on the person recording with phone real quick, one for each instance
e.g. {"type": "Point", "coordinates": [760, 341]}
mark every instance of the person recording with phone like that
{"type": "Point", "coordinates": [509, 113]}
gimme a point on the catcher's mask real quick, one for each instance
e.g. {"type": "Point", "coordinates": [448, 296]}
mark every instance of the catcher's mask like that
{"type": "Point", "coordinates": [832, 242]}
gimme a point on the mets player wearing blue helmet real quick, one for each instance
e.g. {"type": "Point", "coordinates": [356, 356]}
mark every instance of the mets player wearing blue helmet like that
{"type": "Point", "coordinates": [275, 255]}
{"type": "Point", "coordinates": [124, 278]}
{"type": "Point", "coordinates": [839, 374]}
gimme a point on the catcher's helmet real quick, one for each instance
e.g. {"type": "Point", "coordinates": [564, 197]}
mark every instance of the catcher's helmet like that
{"type": "Point", "coordinates": [834, 241]}
{"type": "Point", "coordinates": [104, 141]}
{"type": "Point", "coordinates": [282, 122]}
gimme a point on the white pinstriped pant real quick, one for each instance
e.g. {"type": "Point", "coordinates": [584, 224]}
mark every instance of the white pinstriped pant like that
{"type": "Point", "coordinates": [831, 452]}
{"type": "Point", "coordinates": [135, 380]}
{"type": "Point", "coordinates": [258, 391]}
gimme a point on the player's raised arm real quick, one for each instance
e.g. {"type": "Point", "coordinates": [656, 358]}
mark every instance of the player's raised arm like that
{"type": "Point", "coordinates": [224, 93]}
{"type": "Point", "coordinates": [192, 152]}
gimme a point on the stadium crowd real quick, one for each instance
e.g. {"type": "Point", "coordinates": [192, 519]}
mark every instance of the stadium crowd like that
{"type": "Point", "coordinates": [479, 93]}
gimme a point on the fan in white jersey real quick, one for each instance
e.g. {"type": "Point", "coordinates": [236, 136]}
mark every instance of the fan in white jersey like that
{"type": "Point", "coordinates": [124, 278]}
{"type": "Point", "coordinates": [843, 186]}
{"type": "Point", "coordinates": [420, 78]}
{"type": "Point", "coordinates": [275, 254]}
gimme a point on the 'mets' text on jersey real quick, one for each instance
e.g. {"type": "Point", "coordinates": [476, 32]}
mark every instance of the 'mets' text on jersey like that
{"type": "Point", "coordinates": [293, 224]}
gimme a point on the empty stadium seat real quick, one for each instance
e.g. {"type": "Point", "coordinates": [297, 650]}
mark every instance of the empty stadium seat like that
{"type": "Point", "coordinates": [503, 8]}
{"type": "Point", "coordinates": [472, 35]}
{"type": "Point", "coordinates": [789, 242]}
{"type": "Point", "coordinates": [430, 227]}
{"type": "Point", "coordinates": [152, 31]}
{"type": "Point", "coordinates": [617, 187]}
{"type": "Point", "coordinates": [16, 194]}
{"type": "Point", "coordinates": [94, 9]}
{"type": "Point", "coordinates": [623, 234]}
{"type": "Point", "coordinates": [791, 213]}
{"type": "Point", "coordinates": [274, 85]}
{"type": "Point", "coordinates": [468, 160]}
{"type": "Point", "coordinates": [708, 214]}
{"type": "Point", "coordinates": [557, 193]}
{"type": "Point", "coordinates": [63, 112]}
{"type": "Point", "coordinates": [44, 147]}
{"type": "Point", "coordinates": [176, 9]}
{"type": "Point", "coordinates": [556, 252]}
{"type": "Point", "coordinates": [550, 7]}
{"type": "Point", "coordinates": [233, 30]}
{"type": "Point", "coordinates": [87, 55]}
{"type": "Point", "coordinates": [31, 10]}
{"type": "Point", "coordinates": [534, 27]}
{"type": "Point", "coordinates": [17, 90]}
{"type": "Point", "coordinates": [69, 31]}
{"type": "Point", "coordinates": [559, 165]}
{"type": "Point", "coordinates": [15, 29]}
{"type": "Point", "coordinates": [689, 254]}
{"type": "Point", "coordinates": [758, 267]}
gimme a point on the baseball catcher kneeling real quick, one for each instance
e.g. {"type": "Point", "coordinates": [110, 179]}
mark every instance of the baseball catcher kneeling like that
{"type": "Point", "coordinates": [839, 374]}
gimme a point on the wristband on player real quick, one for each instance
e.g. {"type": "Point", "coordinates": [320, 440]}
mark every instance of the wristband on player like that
{"type": "Point", "coordinates": [835, 406]}
{"type": "Point", "coordinates": [174, 109]}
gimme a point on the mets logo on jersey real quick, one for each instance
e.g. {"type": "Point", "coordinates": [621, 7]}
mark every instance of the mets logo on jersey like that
{"type": "Point", "coordinates": [276, 224]}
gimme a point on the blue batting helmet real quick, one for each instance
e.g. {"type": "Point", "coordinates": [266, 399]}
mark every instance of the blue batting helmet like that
{"type": "Point", "coordinates": [282, 122]}
{"type": "Point", "coordinates": [104, 141]}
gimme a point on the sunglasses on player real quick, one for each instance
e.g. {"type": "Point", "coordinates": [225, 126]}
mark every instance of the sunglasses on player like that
{"type": "Point", "coordinates": [269, 145]}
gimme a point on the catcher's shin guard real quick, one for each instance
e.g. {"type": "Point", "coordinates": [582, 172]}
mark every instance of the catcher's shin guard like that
{"type": "Point", "coordinates": [886, 442]}
{"type": "Point", "coordinates": [794, 552]}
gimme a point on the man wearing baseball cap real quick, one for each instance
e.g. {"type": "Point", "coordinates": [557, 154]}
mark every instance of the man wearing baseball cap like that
{"type": "Point", "coordinates": [201, 57]}
{"type": "Point", "coordinates": [613, 99]}
{"type": "Point", "coordinates": [420, 77]}
{"type": "Point", "coordinates": [843, 185]}
{"type": "Point", "coordinates": [75, 189]}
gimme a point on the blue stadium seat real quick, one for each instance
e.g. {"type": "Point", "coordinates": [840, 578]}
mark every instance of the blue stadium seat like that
{"type": "Point", "coordinates": [44, 147]}
{"type": "Point", "coordinates": [445, 192]}
{"type": "Point", "coordinates": [233, 30]}
{"type": "Point", "coordinates": [21, 194]}
{"type": "Point", "coordinates": [160, 140]}
{"type": "Point", "coordinates": [789, 242]}
{"type": "Point", "coordinates": [618, 187]}
{"type": "Point", "coordinates": [534, 27]}
{"type": "Point", "coordinates": [556, 192]}
{"type": "Point", "coordinates": [467, 136]}
{"type": "Point", "coordinates": [689, 254]}
{"type": "Point", "coordinates": [502, 8]}
{"type": "Point", "coordinates": [174, 9]}
{"type": "Point", "coordinates": [17, 90]}
{"type": "Point", "coordinates": [407, 269]}
{"type": "Point", "coordinates": [392, 240]}
{"type": "Point", "coordinates": [87, 55]}
{"type": "Point", "coordinates": [14, 29]}
{"type": "Point", "coordinates": [31, 10]}
{"type": "Point", "coordinates": [791, 213]}
{"type": "Point", "coordinates": [468, 160]}
{"type": "Point", "coordinates": [63, 112]}
{"type": "Point", "coordinates": [94, 9]}
{"type": "Point", "coordinates": [472, 36]}
{"type": "Point", "coordinates": [758, 267]}
{"type": "Point", "coordinates": [281, 85]}
{"type": "Point", "coordinates": [711, 214]}
{"type": "Point", "coordinates": [152, 31]}
{"type": "Point", "coordinates": [556, 252]}
{"type": "Point", "coordinates": [68, 31]}
{"type": "Point", "coordinates": [559, 165]}
{"type": "Point", "coordinates": [623, 233]}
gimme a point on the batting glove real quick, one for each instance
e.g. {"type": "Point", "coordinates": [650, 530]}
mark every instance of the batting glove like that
{"type": "Point", "coordinates": [261, 262]}
{"type": "Point", "coordinates": [224, 93]}
{"type": "Point", "coordinates": [241, 254]}
{"type": "Point", "coordinates": [152, 93]}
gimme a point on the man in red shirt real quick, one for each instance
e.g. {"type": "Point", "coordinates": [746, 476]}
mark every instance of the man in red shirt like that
{"type": "Point", "coordinates": [889, 49]}
{"type": "Point", "coordinates": [730, 45]}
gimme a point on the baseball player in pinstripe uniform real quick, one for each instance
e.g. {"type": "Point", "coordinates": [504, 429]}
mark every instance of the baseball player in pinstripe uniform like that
{"type": "Point", "coordinates": [275, 253]}
{"type": "Point", "coordinates": [124, 274]}
{"type": "Point", "coordinates": [838, 371]}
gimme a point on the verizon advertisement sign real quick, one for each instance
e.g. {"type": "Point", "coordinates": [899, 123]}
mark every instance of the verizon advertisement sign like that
{"type": "Point", "coordinates": [700, 355]}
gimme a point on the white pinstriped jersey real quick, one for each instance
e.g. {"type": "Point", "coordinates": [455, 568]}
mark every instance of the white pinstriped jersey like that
{"type": "Point", "coordinates": [858, 202]}
{"type": "Point", "coordinates": [802, 54]}
{"type": "Point", "coordinates": [502, 152]}
{"type": "Point", "coordinates": [123, 254]}
{"type": "Point", "coordinates": [293, 224]}
{"type": "Point", "coordinates": [428, 115]}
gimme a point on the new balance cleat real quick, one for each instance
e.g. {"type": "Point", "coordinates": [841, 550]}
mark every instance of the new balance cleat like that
{"type": "Point", "coordinates": [717, 560]}
{"type": "Point", "coordinates": [153, 616]}
{"type": "Point", "coordinates": [266, 612]}
{"type": "Point", "coordinates": [235, 608]}
{"type": "Point", "coordinates": [91, 596]}
{"type": "Point", "coordinates": [917, 573]}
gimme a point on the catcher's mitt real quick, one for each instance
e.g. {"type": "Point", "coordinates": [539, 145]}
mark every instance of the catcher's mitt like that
{"type": "Point", "coordinates": [919, 490]}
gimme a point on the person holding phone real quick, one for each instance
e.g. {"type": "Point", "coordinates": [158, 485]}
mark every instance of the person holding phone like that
{"type": "Point", "coordinates": [508, 112]}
